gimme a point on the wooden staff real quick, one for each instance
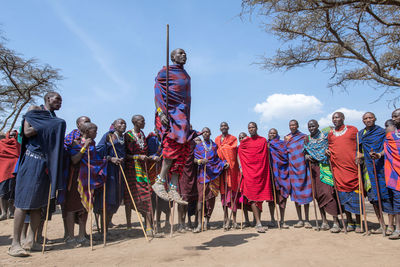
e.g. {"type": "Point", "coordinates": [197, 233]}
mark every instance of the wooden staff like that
{"type": "Point", "coordinates": [90, 202]}
{"type": "Point", "coordinates": [104, 214]}
{"type": "Point", "coordinates": [236, 195]}
{"type": "Point", "coordinates": [361, 193]}
{"type": "Point", "coordinates": [204, 190]}
{"type": "Point", "coordinates": [383, 226]}
{"type": "Point", "coordinates": [149, 188]}
{"type": "Point", "coordinates": [313, 196]}
{"type": "Point", "coordinates": [337, 197]}
{"type": "Point", "coordinates": [47, 220]}
{"type": "Point", "coordinates": [167, 74]}
{"type": "Point", "coordinates": [241, 222]}
{"type": "Point", "coordinates": [274, 191]}
{"type": "Point", "coordinates": [225, 204]}
{"type": "Point", "coordinates": [171, 233]}
{"type": "Point", "coordinates": [130, 194]}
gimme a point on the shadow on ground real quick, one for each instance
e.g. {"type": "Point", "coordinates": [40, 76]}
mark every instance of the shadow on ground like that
{"type": "Point", "coordinates": [229, 240]}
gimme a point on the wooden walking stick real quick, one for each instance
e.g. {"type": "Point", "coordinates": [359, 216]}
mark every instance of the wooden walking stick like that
{"type": "Point", "coordinates": [274, 190]}
{"type": "Point", "coordinates": [172, 219]}
{"type": "Point", "coordinates": [313, 196]}
{"type": "Point", "coordinates": [130, 194]}
{"type": "Point", "coordinates": [167, 74]}
{"type": "Point", "coordinates": [47, 220]}
{"type": "Point", "coordinates": [226, 204]}
{"type": "Point", "coordinates": [204, 190]}
{"type": "Point", "coordinates": [149, 188]}
{"type": "Point", "coordinates": [363, 212]}
{"type": "Point", "coordinates": [90, 202]}
{"type": "Point", "coordinates": [104, 214]}
{"type": "Point", "coordinates": [337, 197]}
{"type": "Point", "coordinates": [236, 195]}
{"type": "Point", "coordinates": [379, 198]}
{"type": "Point", "coordinates": [241, 222]}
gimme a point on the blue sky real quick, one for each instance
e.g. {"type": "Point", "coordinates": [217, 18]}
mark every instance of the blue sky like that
{"type": "Point", "coordinates": [109, 53]}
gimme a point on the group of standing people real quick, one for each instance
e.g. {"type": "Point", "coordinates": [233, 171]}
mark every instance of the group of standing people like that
{"type": "Point", "coordinates": [337, 167]}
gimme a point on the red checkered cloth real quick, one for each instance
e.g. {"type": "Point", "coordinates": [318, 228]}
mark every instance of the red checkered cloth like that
{"type": "Point", "coordinates": [176, 151]}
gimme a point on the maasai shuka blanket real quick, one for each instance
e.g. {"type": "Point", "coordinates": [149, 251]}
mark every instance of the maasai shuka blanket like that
{"type": "Point", "coordinates": [9, 154]}
{"type": "Point", "coordinates": [69, 138]}
{"type": "Point", "coordinates": [280, 162]}
{"type": "Point", "coordinates": [98, 172]}
{"type": "Point", "coordinates": [50, 136]}
{"type": "Point", "coordinates": [342, 144]}
{"type": "Point", "coordinates": [227, 150]}
{"type": "Point", "coordinates": [179, 100]}
{"type": "Point", "coordinates": [316, 147]}
{"type": "Point", "coordinates": [369, 140]}
{"type": "Point", "coordinates": [214, 166]}
{"type": "Point", "coordinates": [301, 189]}
{"type": "Point", "coordinates": [392, 160]}
{"type": "Point", "coordinates": [153, 145]}
{"type": "Point", "coordinates": [253, 155]}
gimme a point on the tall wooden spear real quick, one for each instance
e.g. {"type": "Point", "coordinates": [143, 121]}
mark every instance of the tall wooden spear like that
{"type": "Point", "coordinates": [381, 221]}
{"type": "Point", "coordinates": [313, 196]}
{"type": "Point", "coordinates": [90, 202]}
{"type": "Point", "coordinates": [167, 74]}
{"type": "Point", "coordinates": [337, 197]}
{"type": "Point", "coordinates": [363, 212]}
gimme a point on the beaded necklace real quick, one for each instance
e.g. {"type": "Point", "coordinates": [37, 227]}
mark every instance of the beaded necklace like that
{"type": "Point", "coordinates": [339, 133]}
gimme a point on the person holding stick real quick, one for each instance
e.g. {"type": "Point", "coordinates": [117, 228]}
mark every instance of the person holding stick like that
{"type": "Point", "coordinates": [254, 160]}
{"type": "Point", "coordinates": [279, 163]}
{"type": "Point", "coordinates": [188, 189]}
{"type": "Point", "coordinates": [227, 150]}
{"type": "Point", "coordinates": [78, 199]}
{"type": "Point", "coordinates": [172, 120]}
{"type": "Point", "coordinates": [300, 182]}
{"type": "Point", "coordinates": [392, 170]}
{"type": "Point", "coordinates": [114, 183]}
{"type": "Point", "coordinates": [135, 168]}
{"type": "Point", "coordinates": [208, 180]}
{"type": "Point", "coordinates": [371, 140]}
{"type": "Point", "coordinates": [40, 165]}
{"type": "Point", "coordinates": [315, 145]}
{"type": "Point", "coordinates": [342, 149]}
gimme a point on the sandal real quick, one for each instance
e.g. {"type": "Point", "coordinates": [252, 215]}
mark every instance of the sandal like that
{"type": "Point", "coordinates": [284, 225]}
{"type": "Point", "coordinates": [390, 230]}
{"type": "Point", "coordinates": [325, 227]}
{"type": "Point", "coordinates": [307, 225]}
{"type": "Point", "coordinates": [377, 231]}
{"type": "Point", "coordinates": [260, 229]}
{"type": "Point", "coordinates": [299, 224]}
{"type": "Point", "coordinates": [395, 235]}
{"type": "Point", "coordinates": [17, 252]}
{"type": "Point", "coordinates": [197, 230]}
{"type": "Point", "coordinates": [71, 242]}
{"type": "Point", "coordinates": [350, 227]}
{"type": "Point", "coordinates": [335, 229]}
{"type": "Point", "coordinates": [358, 229]}
{"type": "Point", "coordinates": [272, 224]}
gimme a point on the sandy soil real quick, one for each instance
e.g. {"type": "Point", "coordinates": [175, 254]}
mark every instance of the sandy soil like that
{"type": "Point", "coordinates": [293, 247]}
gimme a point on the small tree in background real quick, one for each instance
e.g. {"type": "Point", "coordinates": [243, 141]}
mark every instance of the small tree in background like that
{"type": "Point", "coordinates": [358, 40]}
{"type": "Point", "coordinates": [21, 82]}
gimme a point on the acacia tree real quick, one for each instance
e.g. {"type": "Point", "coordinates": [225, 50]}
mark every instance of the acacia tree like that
{"type": "Point", "coordinates": [21, 82]}
{"type": "Point", "coordinates": [357, 39]}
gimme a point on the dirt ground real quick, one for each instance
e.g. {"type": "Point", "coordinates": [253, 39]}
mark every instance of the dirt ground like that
{"type": "Point", "coordinates": [293, 247]}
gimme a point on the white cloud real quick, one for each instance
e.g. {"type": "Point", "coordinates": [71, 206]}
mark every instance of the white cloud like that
{"type": "Point", "coordinates": [352, 117]}
{"type": "Point", "coordinates": [282, 106]}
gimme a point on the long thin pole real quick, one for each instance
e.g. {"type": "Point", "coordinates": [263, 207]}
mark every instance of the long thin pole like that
{"type": "Point", "coordinates": [90, 202]}
{"type": "Point", "coordinates": [383, 226]}
{"type": "Point", "coordinates": [274, 191]}
{"type": "Point", "coordinates": [337, 197]}
{"type": "Point", "coordinates": [130, 193]}
{"type": "Point", "coordinates": [226, 199]}
{"type": "Point", "coordinates": [47, 220]}
{"type": "Point", "coordinates": [104, 214]}
{"type": "Point", "coordinates": [204, 191]}
{"type": "Point", "coordinates": [313, 196]}
{"type": "Point", "coordinates": [167, 74]}
{"type": "Point", "coordinates": [149, 188]}
{"type": "Point", "coordinates": [236, 195]}
{"type": "Point", "coordinates": [363, 212]}
{"type": "Point", "coordinates": [171, 233]}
